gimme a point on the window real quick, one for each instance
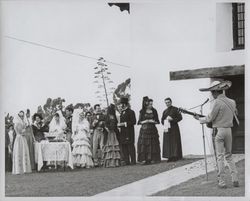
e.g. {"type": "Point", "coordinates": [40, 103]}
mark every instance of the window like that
{"type": "Point", "coordinates": [238, 26]}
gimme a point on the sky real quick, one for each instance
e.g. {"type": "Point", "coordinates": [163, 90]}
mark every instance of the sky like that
{"type": "Point", "coordinates": [32, 73]}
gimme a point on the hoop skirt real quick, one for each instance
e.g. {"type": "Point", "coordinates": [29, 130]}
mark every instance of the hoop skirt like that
{"type": "Point", "coordinates": [111, 151]}
{"type": "Point", "coordinates": [82, 155]}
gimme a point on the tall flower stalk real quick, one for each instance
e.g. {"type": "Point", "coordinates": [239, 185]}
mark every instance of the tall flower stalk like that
{"type": "Point", "coordinates": [102, 79]}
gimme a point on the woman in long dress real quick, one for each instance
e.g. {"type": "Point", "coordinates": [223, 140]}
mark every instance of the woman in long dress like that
{"type": "Point", "coordinates": [21, 157]}
{"type": "Point", "coordinates": [111, 150]}
{"type": "Point", "coordinates": [148, 142]}
{"type": "Point", "coordinates": [30, 139]}
{"type": "Point", "coordinates": [82, 155]}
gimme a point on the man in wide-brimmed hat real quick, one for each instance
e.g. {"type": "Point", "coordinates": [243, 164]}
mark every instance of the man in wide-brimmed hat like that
{"type": "Point", "coordinates": [221, 116]}
{"type": "Point", "coordinates": [127, 133]}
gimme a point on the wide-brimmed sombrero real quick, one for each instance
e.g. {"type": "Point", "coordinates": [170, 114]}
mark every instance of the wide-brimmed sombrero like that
{"type": "Point", "coordinates": [218, 86]}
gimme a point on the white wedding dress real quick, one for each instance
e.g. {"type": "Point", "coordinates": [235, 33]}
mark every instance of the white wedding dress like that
{"type": "Point", "coordinates": [82, 155]}
{"type": "Point", "coordinates": [56, 129]}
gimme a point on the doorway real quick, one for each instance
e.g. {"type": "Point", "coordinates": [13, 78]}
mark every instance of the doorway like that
{"type": "Point", "coordinates": [237, 92]}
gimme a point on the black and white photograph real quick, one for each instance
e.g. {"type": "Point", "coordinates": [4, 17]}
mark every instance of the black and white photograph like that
{"type": "Point", "coordinates": [118, 100]}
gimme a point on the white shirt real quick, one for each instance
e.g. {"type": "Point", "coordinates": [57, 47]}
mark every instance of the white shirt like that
{"type": "Point", "coordinates": [221, 115]}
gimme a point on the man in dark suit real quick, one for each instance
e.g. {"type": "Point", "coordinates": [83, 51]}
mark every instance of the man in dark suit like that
{"type": "Point", "coordinates": [127, 132]}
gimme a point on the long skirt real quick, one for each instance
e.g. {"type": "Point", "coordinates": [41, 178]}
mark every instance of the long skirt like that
{"type": "Point", "coordinates": [30, 142]}
{"type": "Point", "coordinates": [111, 151]}
{"type": "Point", "coordinates": [21, 157]}
{"type": "Point", "coordinates": [148, 146]}
{"type": "Point", "coordinates": [172, 144]}
{"type": "Point", "coordinates": [8, 160]}
{"type": "Point", "coordinates": [82, 155]}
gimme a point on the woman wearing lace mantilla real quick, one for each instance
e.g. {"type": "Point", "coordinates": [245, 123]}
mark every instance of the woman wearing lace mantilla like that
{"type": "Point", "coordinates": [82, 155]}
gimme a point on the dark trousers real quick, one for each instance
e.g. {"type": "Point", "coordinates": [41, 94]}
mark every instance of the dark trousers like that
{"type": "Point", "coordinates": [128, 151]}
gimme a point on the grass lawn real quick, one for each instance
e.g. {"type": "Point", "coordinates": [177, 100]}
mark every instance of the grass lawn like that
{"type": "Point", "coordinates": [194, 187]}
{"type": "Point", "coordinates": [82, 182]}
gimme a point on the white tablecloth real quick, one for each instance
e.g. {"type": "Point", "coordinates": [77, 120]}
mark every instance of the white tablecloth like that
{"type": "Point", "coordinates": [52, 151]}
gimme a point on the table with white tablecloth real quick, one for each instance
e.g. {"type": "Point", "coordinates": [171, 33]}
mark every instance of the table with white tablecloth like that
{"type": "Point", "coordinates": [52, 151]}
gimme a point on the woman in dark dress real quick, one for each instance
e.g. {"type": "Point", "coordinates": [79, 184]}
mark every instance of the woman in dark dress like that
{"type": "Point", "coordinates": [111, 150]}
{"type": "Point", "coordinates": [39, 128]}
{"type": "Point", "coordinates": [148, 146]}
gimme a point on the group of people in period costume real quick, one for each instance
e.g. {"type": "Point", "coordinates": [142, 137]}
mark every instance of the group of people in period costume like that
{"type": "Point", "coordinates": [97, 139]}
{"type": "Point", "coordinates": [108, 138]}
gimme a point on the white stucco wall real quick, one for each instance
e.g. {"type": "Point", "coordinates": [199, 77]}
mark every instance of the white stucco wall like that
{"type": "Point", "coordinates": [171, 36]}
{"type": "Point", "coordinates": [224, 27]}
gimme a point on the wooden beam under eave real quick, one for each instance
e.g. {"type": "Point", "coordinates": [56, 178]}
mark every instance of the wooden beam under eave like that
{"type": "Point", "coordinates": [207, 72]}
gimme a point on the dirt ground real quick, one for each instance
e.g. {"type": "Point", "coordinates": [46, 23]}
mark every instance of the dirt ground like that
{"type": "Point", "coordinates": [82, 182]}
{"type": "Point", "coordinates": [196, 186]}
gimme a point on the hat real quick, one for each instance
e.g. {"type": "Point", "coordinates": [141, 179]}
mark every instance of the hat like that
{"type": "Point", "coordinates": [218, 86]}
{"type": "Point", "coordinates": [124, 100]}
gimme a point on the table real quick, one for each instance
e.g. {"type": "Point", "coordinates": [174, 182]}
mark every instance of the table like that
{"type": "Point", "coordinates": [52, 151]}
